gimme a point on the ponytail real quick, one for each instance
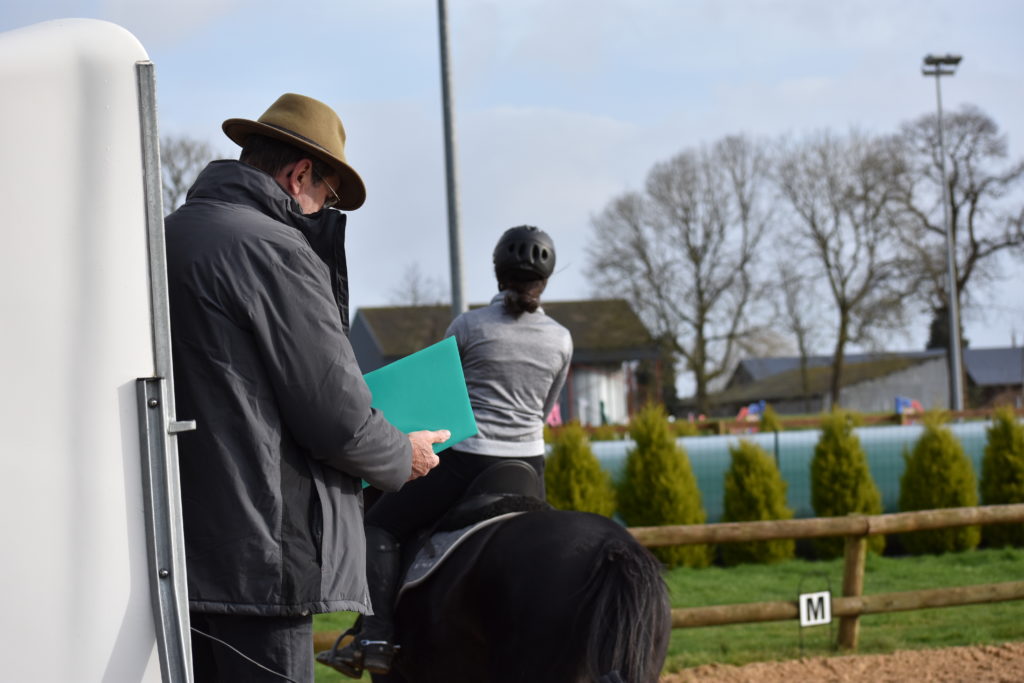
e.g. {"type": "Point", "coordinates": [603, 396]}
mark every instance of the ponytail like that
{"type": "Point", "coordinates": [522, 297]}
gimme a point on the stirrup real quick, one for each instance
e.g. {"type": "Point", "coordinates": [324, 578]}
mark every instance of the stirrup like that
{"type": "Point", "coordinates": [348, 660]}
{"type": "Point", "coordinates": [358, 655]}
{"type": "Point", "coordinates": [377, 655]}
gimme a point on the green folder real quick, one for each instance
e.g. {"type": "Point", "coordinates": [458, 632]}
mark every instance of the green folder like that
{"type": "Point", "coordinates": [425, 390]}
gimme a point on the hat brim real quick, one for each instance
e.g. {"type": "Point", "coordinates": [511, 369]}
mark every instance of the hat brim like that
{"type": "Point", "coordinates": [351, 189]}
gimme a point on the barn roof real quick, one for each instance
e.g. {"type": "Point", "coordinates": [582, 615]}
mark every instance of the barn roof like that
{"type": "Point", "coordinates": [995, 366]}
{"type": "Point", "coordinates": [985, 367]}
{"type": "Point", "coordinates": [603, 330]}
{"type": "Point", "coordinates": [788, 384]}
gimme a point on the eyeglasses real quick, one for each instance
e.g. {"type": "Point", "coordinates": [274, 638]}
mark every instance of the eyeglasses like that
{"type": "Point", "coordinates": [329, 202]}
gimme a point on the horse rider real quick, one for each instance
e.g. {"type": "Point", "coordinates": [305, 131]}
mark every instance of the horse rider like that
{"type": "Point", "coordinates": [515, 359]}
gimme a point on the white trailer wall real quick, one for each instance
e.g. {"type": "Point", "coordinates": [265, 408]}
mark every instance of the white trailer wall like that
{"type": "Point", "coordinates": [75, 310]}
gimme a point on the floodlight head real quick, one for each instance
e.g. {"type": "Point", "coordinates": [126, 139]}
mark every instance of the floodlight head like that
{"type": "Point", "coordinates": [948, 60]}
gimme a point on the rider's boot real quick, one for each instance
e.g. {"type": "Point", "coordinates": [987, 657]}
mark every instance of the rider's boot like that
{"type": "Point", "coordinates": [372, 648]}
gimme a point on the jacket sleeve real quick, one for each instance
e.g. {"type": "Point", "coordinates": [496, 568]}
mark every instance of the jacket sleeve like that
{"type": "Point", "coordinates": [324, 401]}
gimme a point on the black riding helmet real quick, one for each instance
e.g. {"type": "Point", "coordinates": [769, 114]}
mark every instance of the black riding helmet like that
{"type": "Point", "coordinates": [524, 253]}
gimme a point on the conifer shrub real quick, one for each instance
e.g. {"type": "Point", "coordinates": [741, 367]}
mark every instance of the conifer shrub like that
{"type": "Point", "coordinates": [604, 433]}
{"type": "Point", "coordinates": [770, 420]}
{"type": "Point", "coordinates": [754, 491]}
{"type": "Point", "coordinates": [658, 486]}
{"type": "Point", "coordinates": [938, 475]}
{"type": "Point", "coordinates": [681, 428]}
{"type": "Point", "coordinates": [1002, 475]}
{"type": "Point", "coordinates": [841, 482]}
{"type": "Point", "coordinates": [574, 478]}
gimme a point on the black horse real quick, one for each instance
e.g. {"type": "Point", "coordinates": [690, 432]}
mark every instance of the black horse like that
{"type": "Point", "coordinates": [545, 596]}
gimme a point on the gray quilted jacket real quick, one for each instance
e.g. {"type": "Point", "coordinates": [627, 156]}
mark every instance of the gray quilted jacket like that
{"type": "Point", "coordinates": [270, 479]}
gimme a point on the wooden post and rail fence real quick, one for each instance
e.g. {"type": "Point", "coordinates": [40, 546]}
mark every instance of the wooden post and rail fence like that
{"type": "Point", "coordinates": [856, 529]}
{"type": "Point", "coordinates": [853, 604]}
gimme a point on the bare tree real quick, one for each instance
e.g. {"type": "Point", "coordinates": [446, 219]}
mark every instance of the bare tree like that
{"type": "Point", "coordinates": [683, 253]}
{"type": "Point", "coordinates": [798, 315]}
{"type": "Point", "coordinates": [418, 289]}
{"type": "Point", "coordinates": [181, 160]}
{"type": "Point", "coordinates": [841, 192]}
{"type": "Point", "coordinates": [986, 207]}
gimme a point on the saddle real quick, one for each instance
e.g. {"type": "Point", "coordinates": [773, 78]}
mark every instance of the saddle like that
{"type": "Point", "coordinates": [498, 493]}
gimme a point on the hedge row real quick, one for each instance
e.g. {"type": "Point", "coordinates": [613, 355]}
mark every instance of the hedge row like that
{"type": "Point", "coordinates": [658, 486]}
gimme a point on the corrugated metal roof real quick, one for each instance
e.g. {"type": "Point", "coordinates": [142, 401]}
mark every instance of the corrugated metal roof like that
{"type": "Point", "coordinates": [788, 383]}
{"type": "Point", "coordinates": [995, 367]}
{"type": "Point", "coordinates": [759, 368]}
{"type": "Point", "coordinates": [984, 367]}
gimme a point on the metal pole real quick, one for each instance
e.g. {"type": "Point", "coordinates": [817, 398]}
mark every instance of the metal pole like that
{"type": "Point", "coordinates": [956, 374]}
{"type": "Point", "coordinates": [158, 425]}
{"type": "Point", "coordinates": [454, 232]}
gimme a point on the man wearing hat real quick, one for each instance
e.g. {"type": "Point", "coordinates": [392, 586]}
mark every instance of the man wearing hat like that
{"type": "Point", "coordinates": [270, 479]}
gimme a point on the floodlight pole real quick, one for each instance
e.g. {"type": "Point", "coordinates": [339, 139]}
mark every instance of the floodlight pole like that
{"type": "Point", "coordinates": [933, 66]}
{"type": "Point", "coordinates": [454, 231]}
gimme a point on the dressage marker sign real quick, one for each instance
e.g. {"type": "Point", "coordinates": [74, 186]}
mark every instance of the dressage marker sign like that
{"type": "Point", "coordinates": [815, 608]}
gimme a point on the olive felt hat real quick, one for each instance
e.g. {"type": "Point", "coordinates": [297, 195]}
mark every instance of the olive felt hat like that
{"type": "Point", "coordinates": [309, 125]}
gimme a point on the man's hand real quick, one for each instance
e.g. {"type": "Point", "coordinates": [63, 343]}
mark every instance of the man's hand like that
{"type": "Point", "coordinates": [423, 457]}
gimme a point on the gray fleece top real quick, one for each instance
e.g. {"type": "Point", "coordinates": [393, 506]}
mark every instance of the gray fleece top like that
{"type": "Point", "coordinates": [515, 369]}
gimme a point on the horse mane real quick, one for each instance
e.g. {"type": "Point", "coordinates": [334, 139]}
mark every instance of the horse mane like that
{"type": "Point", "coordinates": [626, 584]}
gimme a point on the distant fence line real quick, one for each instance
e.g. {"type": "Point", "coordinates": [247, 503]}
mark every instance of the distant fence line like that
{"type": "Point", "coordinates": [717, 426]}
{"type": "Point", "coordinates": [856, 529]}
{"type": "Point", "coordinates": [725, 426]}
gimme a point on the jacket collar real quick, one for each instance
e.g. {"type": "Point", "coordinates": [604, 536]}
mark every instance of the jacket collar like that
{"type": "Point", "coordinates": [240, 183]}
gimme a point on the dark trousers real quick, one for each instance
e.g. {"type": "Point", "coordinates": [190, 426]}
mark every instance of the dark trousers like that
{"type": "Point", "coordinates": [282, 644]}
{"type": "Point", "coordinates": [423, 501]}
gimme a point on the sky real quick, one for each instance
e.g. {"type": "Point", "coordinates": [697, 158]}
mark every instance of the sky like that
{"type": "Point", "coordinates": [561, 105]}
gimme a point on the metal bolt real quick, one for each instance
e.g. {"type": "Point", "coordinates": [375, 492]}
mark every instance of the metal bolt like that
{"type": "Point", "coordinates": [153, 403]}
{"type": "Point", "coordinates": [163, 573]}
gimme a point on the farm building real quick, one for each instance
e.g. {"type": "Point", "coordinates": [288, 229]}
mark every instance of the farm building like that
{"type": "Point", "coordinates": [873, 382]}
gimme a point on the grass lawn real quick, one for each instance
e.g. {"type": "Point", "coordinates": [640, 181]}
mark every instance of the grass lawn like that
{"type": "Point", "coordinates": [743, 643]}
{"type": "Point", "coordinates": [942, 627]}
{"type": "Point", "coordinates": [334, 621]}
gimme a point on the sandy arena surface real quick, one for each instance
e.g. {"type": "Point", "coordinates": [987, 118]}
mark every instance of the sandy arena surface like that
{"type": "Point", "coordinates": [982, 664]}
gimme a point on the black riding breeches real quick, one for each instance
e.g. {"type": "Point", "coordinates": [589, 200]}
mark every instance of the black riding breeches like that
{"type": "Point", "coordinates": [423, 501]}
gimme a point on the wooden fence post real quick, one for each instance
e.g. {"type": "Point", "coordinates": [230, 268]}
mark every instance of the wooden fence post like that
{"type": "Point", "coordinates": [855, 558]}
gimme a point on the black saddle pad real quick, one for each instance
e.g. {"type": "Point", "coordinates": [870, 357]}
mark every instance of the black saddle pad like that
{"type": "Point", "coordinates": [462, 523]}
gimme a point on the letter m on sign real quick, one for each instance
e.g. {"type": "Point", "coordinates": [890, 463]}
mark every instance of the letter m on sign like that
{"type": "Point", "coordinates": [815, 608]}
